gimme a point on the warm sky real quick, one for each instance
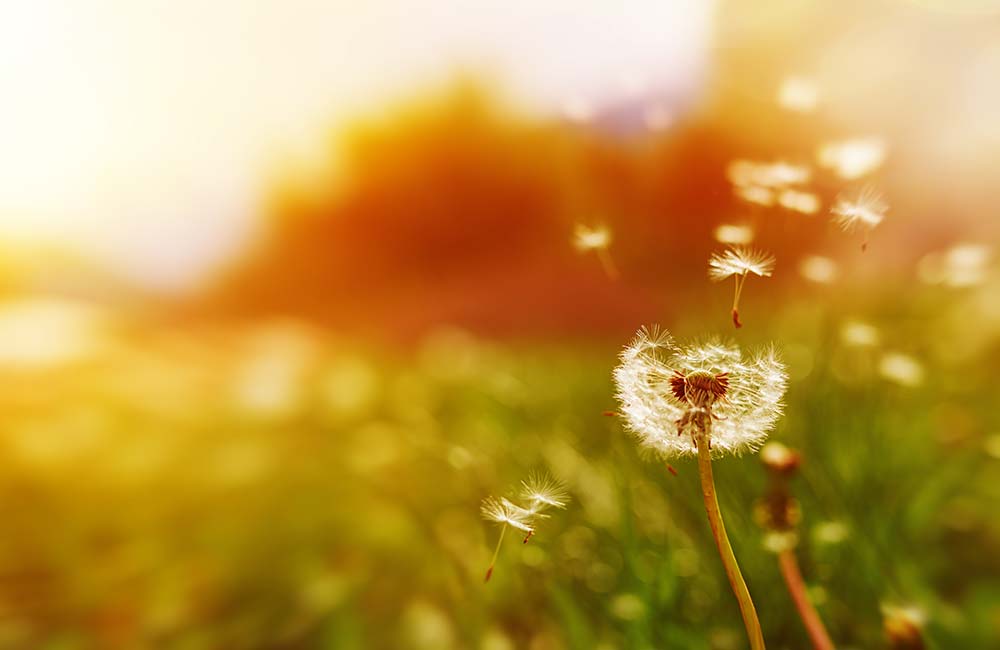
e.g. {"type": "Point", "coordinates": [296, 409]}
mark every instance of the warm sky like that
{"type": "Point", "coordinates": [139, 130]}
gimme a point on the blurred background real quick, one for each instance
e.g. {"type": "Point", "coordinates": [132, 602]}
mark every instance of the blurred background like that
{"type": "Point", "coordinates": [288, 288]}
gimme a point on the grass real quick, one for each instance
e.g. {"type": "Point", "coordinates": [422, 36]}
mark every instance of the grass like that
{"type": "Point", "coordinates": [171, 494]}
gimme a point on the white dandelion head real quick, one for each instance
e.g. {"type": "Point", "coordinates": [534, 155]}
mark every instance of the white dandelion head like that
{"type": "Point", "coordinates": [865, 209]}
{"type": "Point", "coordinates": [739, 260]}
{"type": "Point", "coordinates": [586, 238]}
{"type": "Point", "coordinates": [658, 382]}
{"type": "Point", "coordinates": [505, 513]}
{"type": "Point", "coordinates": [541, 491]}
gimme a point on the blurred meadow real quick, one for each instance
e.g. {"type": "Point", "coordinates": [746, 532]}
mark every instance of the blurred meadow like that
{"type": "Point", "coordinates": [285, 293]}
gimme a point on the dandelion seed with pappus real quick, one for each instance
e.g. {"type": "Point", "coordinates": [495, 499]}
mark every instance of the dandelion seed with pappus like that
{"type": "Point", "coordinates": [540, 492]}
{"type": "Point", "coordinates": [863, 211]}
{"type": "Point", "coordinates": [702, 399]}
{"type": "Point", "coordinates": [739, 262]}
{"type": "Point", "coordinates": [597, 239]}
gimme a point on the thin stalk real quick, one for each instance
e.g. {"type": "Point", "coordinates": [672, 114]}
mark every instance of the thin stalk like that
{"type": "Point", "coordinates": [797, 588]}
{"type": "Point", "coordinates": [741, 278]}
{"type": "Point", "coordinates": [496, 552]}
{"type": "Point", "coordinates": [736, 581]}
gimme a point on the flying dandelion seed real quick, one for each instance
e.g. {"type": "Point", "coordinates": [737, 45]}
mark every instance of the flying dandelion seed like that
{"type": "Point", "coordinates": [541, 493]}
{"type": "Point", "coordinates": [798, 94]}
{"type": "Point", "coordinates": [702, 399]}
{"type": "Point", "coordinates": [732, 234]}
{"type": "Point", "coordinates": [852, 159]}
{"type": "Point", "coordinates": [864, 211]}
{"type": "Point", "coordinates": [804, 202]}
{"type": "Point", "coordinates": [596, 239]}
{"type": "Point", "coordinates": [739, 262]}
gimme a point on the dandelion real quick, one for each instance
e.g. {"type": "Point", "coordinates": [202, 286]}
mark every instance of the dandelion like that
{"type": "Point", "coordinates": [696, 400]}
{"type": "Point", "coordinates": [851, 159]}
{"type": "Point", "coordinates": [779, 514]}
{"type": "Point", "coordinates": [865, 210]}
{"type": "Point", "coordinates": [597, 239]}
{"type": "Point", "coordinates": [739, 262]}
{"type": "Point", "coordinates": [541, 492]}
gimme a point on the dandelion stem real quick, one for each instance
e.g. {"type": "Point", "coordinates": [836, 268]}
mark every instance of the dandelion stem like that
{"type": "Point", "coordinates": [797, 588]}
{"type": "Point", "coordinates": [496, 552]}
{"type": "Point", "coordinates": [739, 586]}
{"type": "Point", "coordinates": [607, 263]}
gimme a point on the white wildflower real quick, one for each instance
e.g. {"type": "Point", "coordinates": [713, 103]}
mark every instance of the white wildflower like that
{"type": "Point", "coordinates": [665, 389]}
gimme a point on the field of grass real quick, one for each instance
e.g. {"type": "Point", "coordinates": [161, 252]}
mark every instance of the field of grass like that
{"type": "Point", "coordinates": [272, 487]}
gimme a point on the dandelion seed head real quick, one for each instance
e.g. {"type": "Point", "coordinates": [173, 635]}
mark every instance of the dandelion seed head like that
{"type": "Point", "coordinates": [739, 260]}
{"type": "Point", "coordinates": [586, 238]}
{"type": "Point", "coordinates": [647, 388]}
{"type": "Point", "coordinates": [542, 491]}
{"type": "Point", "coordinates": [866, 209]}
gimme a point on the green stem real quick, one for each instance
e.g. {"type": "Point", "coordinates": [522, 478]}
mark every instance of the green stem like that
{"type": "Point", "coordinates": [722, 542]}
{"type": "Point", "coordinates": [797, 588]}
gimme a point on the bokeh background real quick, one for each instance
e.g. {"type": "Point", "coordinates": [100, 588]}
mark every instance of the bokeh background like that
{"type": "Point", "coordinates": [287, 288]}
